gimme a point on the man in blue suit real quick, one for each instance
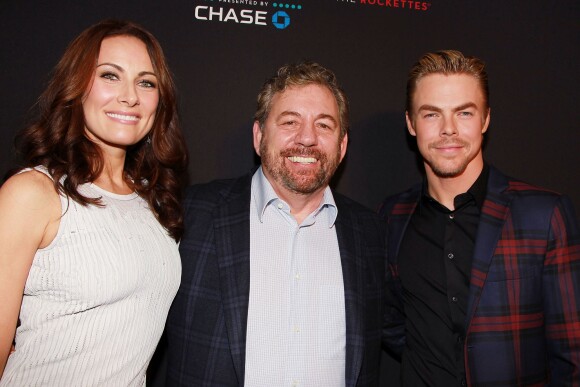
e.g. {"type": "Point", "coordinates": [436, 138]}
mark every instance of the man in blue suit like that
{"type": "Point", "coordinates": [283, 278]}
{"type": "Point", "coordinates": [484, 269]}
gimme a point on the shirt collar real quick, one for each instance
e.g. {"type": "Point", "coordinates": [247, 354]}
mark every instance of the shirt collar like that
{"type": "Point", "coordinates": [263, 195]}
{"type": "Point", "coordinates": [479, 188]}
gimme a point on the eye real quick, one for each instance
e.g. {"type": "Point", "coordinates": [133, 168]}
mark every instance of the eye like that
{"type": "Point", "coordinates": [110, 76]}
{"type": "Point", "coordinates": [147, 84]}
{"type": "Point", "coordinates": [430, 115]}
{"type": "Point", "coordinates": [325, 125]}
{"type": "Point", "coordinates": [465, 114]}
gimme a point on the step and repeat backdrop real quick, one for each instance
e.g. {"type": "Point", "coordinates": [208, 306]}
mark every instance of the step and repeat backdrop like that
{"type": "Point", "coordinates": [221, 51]}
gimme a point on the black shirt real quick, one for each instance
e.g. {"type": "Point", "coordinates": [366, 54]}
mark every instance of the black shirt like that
{"type": "Point", "coordinates": [434, 266]}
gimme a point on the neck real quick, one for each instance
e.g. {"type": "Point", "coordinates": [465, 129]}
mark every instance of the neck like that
{"type": "Point", "coordinates": [112, 177]}
{"type": "Point", "coordinates": [445, 189]}
{"type": "Point", "coordinates": [301, 205]}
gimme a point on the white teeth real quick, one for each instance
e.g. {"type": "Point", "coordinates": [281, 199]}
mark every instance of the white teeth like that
{"type": "Point", "coordinates": [304, 160]}
{"type": "Point", "coordinates": [123, 117]}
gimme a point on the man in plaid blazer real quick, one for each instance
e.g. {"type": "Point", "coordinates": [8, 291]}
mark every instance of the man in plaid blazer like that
{"type": "Point", "coordinates": [484, 270]}
{"type": "Point", "coordinates": [239, 318]}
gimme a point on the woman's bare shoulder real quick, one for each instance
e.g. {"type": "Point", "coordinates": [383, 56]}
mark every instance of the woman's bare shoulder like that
{"type": "Point", "coordinates": [31, 189]}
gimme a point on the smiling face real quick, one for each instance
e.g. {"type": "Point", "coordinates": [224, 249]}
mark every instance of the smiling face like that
{"type": "Point", "coordinates": [119, 108]}
{"type": "Point", "coordinates": [300, 143]}
{"type": "Point", "coordinates": [449, 118]}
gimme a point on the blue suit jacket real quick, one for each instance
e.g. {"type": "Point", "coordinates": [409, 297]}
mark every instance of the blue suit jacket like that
{"type": "Point", "coordinates": [206, 327]}
{"type": "Point", "coordinates": [523, 316]}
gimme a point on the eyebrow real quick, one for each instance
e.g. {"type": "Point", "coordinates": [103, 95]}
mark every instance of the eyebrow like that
{"type": "Point", "coordinates": [289, 113]}
{"type": "Point", "coordinates": [455, 109]}
{"type": "Point", "coordinates": [119, 68]}
{"type": "Point", "coordinates": [328, 117]}
{"type": "Point", "coordinates": [320, 116]}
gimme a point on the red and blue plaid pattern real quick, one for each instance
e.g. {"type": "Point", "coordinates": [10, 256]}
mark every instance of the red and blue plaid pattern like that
{"type": "Point", "coordinates": [523, 319]}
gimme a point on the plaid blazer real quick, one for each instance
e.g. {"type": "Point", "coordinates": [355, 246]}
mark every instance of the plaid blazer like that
{"type": "Point", "coordinates": [523, 316]}
{"type": "Point", "coordinates": [206, 327]}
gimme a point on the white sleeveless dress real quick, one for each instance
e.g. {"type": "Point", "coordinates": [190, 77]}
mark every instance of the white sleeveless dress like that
{"type": "Point", "coordinates": [96, 299]}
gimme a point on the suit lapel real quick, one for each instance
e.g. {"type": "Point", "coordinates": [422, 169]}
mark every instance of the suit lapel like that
{"type": "Point", "coordinates": [397, 210]}
{"type": "Point", "coordinates": [399, 215]}
{"type": "Point", "coordinates": [232, 233]}
{"type": "Point", "coordinates": [349, 242]}
{"type": "Point", "coordinates": [494, 212]}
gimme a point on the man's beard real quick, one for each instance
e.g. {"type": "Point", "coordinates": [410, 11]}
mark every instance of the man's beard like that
{"type": "Point", "coordinates": [447, 169]}
{"type": "Point", "coordinates": [302, 182]}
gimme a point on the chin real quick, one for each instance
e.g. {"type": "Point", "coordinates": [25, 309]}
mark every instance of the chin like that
{"type": "Point", "coordinates": [448, 171]}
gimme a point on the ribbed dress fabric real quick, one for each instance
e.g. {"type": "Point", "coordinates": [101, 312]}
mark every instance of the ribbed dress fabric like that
{"type": "Point", "coordinates": [96, 299]}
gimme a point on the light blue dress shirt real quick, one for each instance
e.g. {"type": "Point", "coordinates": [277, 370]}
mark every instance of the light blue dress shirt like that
{"type": "Point", "coordinates": [296, 316]}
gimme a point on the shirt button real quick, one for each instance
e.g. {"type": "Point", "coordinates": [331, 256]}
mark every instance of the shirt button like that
{"type": "Point", "coordinates": [280, 205]}
{"type": "Point", "coordinates": [295, 329]}
{"type": "Point", "coordinates": [451, 216]}
{"type": "Point", "coordinates": [463, 382]}
{"type": "Point", "coordinates": [298, 277]}
{"type": "Point", "coordinates": [450, 256]}
{"type": "Point", "coordinates": [454, 299]}
{"type": "Point", "coordinates": [294, 383]}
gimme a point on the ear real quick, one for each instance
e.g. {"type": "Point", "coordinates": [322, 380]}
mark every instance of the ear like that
{"type": "Point", "coordinates": [343, 145]}
{"type": "Point", "coordinates": [486, 122]}
{"type": "Point", "coordinates": [410, 127]}
{"type": "Point", "coordinates": [257, 135]}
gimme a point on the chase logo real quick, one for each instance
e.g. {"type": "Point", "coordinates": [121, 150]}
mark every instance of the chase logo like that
{"type": "Point", "coordinates": [280, 20]}
{"type": "Point", "coordinates": [249, 12]}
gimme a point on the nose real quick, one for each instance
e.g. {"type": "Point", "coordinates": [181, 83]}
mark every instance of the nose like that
{"type": "Point", "coordinates": [128, 96]}
{"type": "Point", "coordinates": [448, 127]}
{"type": "Point", "coordinates": [306, 135]}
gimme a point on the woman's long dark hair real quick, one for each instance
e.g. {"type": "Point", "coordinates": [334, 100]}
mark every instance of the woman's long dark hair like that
{"type": "Point", "coordinates": [57, 140]}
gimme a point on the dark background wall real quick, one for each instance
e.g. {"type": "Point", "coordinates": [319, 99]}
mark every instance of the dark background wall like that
{"type": "Point", "coordinates": [531, 48]}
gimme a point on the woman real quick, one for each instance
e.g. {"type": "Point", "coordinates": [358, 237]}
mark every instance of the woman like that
{"type": "Point", "coordinates": [88, 233]}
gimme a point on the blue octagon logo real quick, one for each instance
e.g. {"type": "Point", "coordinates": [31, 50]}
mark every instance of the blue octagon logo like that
{"type": "Point", "coordinates": [281, 20]}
